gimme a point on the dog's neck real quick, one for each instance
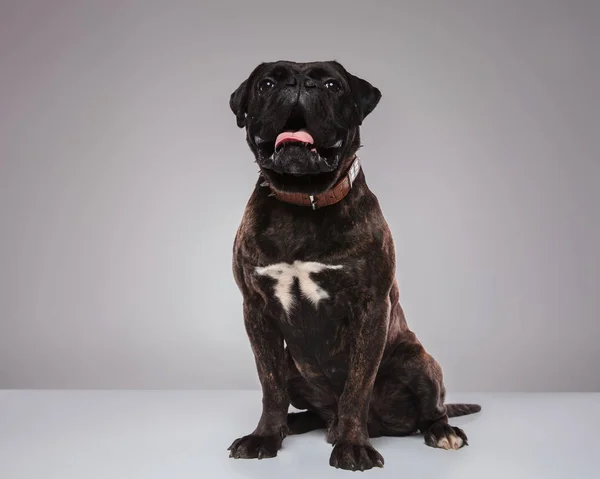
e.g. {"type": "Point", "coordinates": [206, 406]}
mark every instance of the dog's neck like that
{"type": "Point", "coordinates": [330, 197]}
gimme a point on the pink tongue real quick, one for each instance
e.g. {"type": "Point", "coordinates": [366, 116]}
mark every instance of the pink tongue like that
{"type": "Point", "coordinates": [300, 136]}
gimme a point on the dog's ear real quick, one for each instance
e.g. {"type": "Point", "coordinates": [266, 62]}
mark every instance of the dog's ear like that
{"type": "Point", "coordinates": [238, 102]}
{"type": "Point", "coordinates": [366, 96]}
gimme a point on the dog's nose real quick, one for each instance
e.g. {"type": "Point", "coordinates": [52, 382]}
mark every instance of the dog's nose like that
{"type": "Point", "coordinates": [306, 81]}
{"type": "Point", "coordinates": [301, 79]}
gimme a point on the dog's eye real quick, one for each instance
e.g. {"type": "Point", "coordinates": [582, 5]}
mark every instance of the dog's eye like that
{"type": "Point", "coordinates": [266, 84]}
{"type": "Point", "coordinates": [333, 85]}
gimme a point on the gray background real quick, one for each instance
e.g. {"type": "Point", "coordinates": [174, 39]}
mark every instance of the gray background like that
{"type": "Point", "coordinates": [123, 178]}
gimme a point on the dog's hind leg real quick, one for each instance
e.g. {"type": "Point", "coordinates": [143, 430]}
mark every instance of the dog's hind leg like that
{"type": "Point", "coordinates": [426, 383]}
{"type": "Point", "coordinates": [409, 391]}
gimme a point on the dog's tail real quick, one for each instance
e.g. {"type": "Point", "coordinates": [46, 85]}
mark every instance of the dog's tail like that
{"type": "Point", "coordinates": [455, 410]}
{"type": "Point", "coordinates": [306, 421]}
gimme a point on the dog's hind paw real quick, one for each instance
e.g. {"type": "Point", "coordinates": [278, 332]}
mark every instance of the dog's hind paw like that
{"type": "Point", "coordinates": [444, 436]}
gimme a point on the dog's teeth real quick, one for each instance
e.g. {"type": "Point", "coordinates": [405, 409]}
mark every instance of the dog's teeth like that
{"type": "Point", "coordinates": [264, 183]}
{"type": "Point", "coordinates": [271, 194]}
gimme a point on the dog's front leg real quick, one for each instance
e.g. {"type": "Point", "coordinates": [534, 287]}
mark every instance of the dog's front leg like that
{"type": "Point", "coordinates": [352, 448]}
{"type": "Point", "coordinates": [267, 345]}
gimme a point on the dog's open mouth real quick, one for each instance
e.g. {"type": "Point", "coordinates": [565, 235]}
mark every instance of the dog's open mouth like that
{"type": "Point", "coordinates": [298, 160]}
{"type": "Point", "coordinates": [300, 144]}
{"type": "Point", "coordinates": [294, 161]}
{"type": "Point", "coordinates": [301, 138]}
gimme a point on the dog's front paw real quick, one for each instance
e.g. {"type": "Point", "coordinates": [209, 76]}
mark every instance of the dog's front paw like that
{"type": "Point", "coordinates": [255, 447]}
{"type": "Point", "coordinates": [444, 436]}
{"type": "Point", "coordinates": [353, 457]}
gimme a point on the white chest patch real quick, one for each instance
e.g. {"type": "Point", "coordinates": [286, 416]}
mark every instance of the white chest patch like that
{"type": "Point", "coordinates": [285, 273]}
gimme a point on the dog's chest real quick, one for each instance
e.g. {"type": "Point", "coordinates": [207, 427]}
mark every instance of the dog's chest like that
{"type": "Point", "coordinates": [313, 303]}
{"type": "Point", "coordinates": [302, 282]}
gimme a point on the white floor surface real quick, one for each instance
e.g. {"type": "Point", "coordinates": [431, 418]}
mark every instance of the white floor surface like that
{"type": "Point", "coordinates": [185, 434]}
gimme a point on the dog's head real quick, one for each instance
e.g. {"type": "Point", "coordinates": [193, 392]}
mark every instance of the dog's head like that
{"type": "Point", "coordinates": [302, 121]}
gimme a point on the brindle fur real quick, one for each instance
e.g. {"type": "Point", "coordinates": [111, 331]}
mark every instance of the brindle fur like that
{"type": "Point", "coordinates": [351, 362]}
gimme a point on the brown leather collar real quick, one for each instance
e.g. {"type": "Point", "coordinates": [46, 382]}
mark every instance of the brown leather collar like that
{"type": "Point", "coordinates": [330, 197]}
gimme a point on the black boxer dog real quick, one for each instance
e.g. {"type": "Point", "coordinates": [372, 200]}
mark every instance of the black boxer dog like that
{"type": "Point", "coordinates": [314, 260]}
